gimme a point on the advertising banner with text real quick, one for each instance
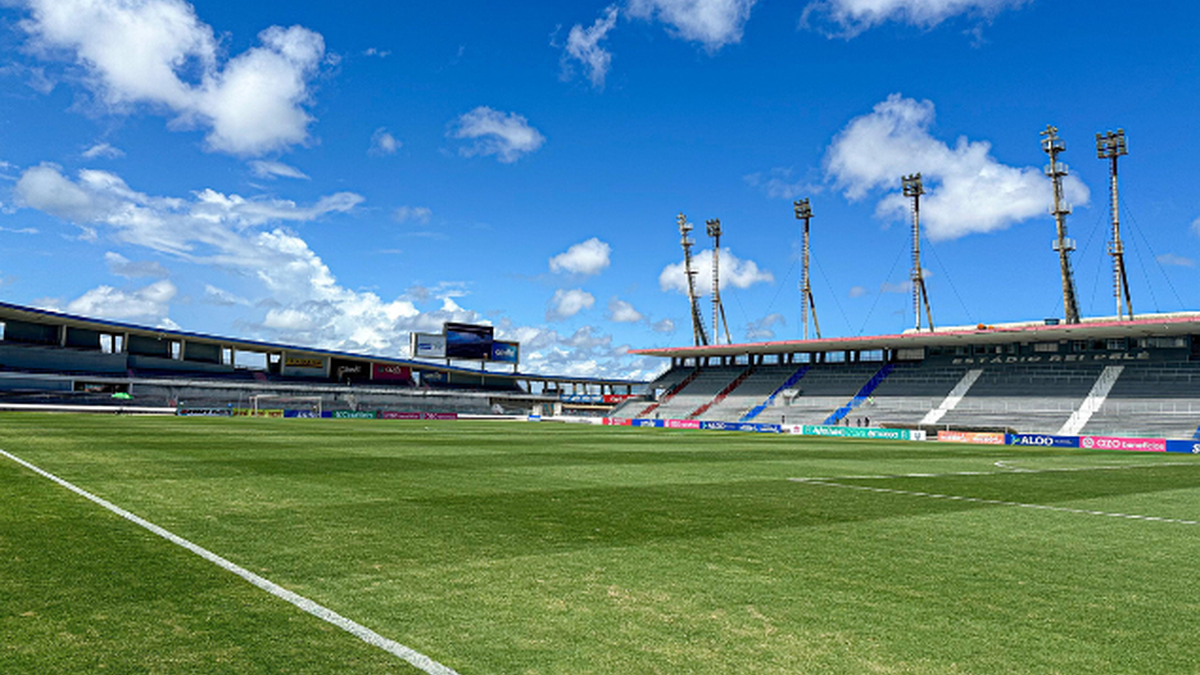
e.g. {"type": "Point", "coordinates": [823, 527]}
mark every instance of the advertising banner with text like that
{"type": "Point", "coordinates": [856, 432]}
{"type": "Point", "coordinates": [1190, 447]}
{"type": "Point", "coordinates": [391, 372]}
{"type": "Point", "coordinates": [1115, 443]}
{"type": "Point", "coordinates": [428, 346]}
{"type": "Point", "coordinates": [1043, 440]}
{"type": "Point", "coordinates": [980, 437]}
{"type": "Point", "coordinates": [683, 424]}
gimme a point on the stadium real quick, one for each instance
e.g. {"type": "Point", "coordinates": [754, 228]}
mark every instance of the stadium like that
{"type": "Point", "coordinates": [450, 419]}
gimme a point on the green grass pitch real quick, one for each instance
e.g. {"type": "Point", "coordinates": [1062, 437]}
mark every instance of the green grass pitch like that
{"type": "Point", "coordinates": [543, 548]}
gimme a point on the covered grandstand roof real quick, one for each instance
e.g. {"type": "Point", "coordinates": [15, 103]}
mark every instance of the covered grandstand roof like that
{"type": "Point", "coordinates": [13, 312]}
{"type": "Point", "coordinates": [1149, 325]}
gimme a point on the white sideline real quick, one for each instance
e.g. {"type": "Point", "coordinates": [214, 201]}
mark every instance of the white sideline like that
{"type": "Point", "coordinates": [363, 633]}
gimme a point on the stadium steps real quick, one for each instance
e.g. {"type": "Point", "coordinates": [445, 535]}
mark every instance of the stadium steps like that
{"type": "Point", "coordinates": [954, 397]}
{"type": "Point", "coordinates": [670, 393]}
{"type": "Point", "coordinates": [791, 382]}
{"type": "Point", "coordinates": [862, 395]}
{"type": "Point", "coordinates": [1095, 399]}
{"type": "Point", "coordinates": [737, 382]}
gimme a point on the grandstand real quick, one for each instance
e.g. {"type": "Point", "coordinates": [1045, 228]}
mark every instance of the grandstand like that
{"type": "Point", "coordinates": [1137, 377]}
{"type": "Point", "coordinates": [52, 358]}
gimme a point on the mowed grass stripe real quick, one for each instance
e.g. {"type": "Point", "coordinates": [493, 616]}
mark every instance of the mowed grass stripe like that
{"type": "Point", "coordinates": [417, 659]}
{"type": "Point", "coordinates": [566, 549]}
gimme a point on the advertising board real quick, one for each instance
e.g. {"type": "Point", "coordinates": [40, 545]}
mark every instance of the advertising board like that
{"type": "Point", "coordinates": [617, 421]}
{"type": "Point", "coordinates": [1042, 440]}
{"type": "Point", "coordinates": [1115, 443]}
{"type": "Point", "coordinates": [354, 414]}
{"type": "Point", "coordinates": [391, 372]}
{"type": "Point", "coordinates": [344, 370]}
{"type": "Point", "coordinates": [978, 437]}
{"type": "Point", "coordinates": [646, 423]}
{"type": "Point", "coordinates": [506, 352]}
{"type": "Point", "coordinates": [856, 432]}
{"type": "Point", "coordinates": [1190, 447]}
{"type": "Point", "coordinates": [613, 399]}
{"type": "Point", "coordinates": [428, 346]}
{"type": "Point", "coordinates": [468, 341]}
{"type": "Point", "coordinates": [683, 424]}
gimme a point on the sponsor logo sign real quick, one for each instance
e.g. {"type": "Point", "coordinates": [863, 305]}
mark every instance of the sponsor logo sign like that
{"type": "Point", "coordinates": [715, 426]}
{"type": "Point", "coordinates": [769, 428]}
{"type": "Point", "coordinates": [391, 372]}
{"type": "Point", "coordinates": [855, 432]}
{"type": "Point", "coordinates": [353, 371]}
{"type": "Point", "coordinates": [1189, 447]}
{"type": "Point", "coordinates": [506, 352]}
{"type": "Point", "coordinates": [1043, 440]}
{"type": "Point", "coordinates": [581, 398]}
{"type": "Point", "coordinates": [306, 414]}
{"type": "Point", "coordinates": [683, 424]}
{"type": "Point", "coordinates": [978, 437]}
{"type": "Point", "coordinates": [404, 415]}
{"type": "Point", "coordinates": [617, 422]}
{"type": "Point", "coordinates": [354, 414]}
{"type": "Point", "coordinates": [204, 412]}
{"type": "Point", "coordinates": [617, 398]}
{"type": "Point", "coordinates": [1130, 444]}
{"type": "Point", "coordinates": [248, 412]}
{"type": "Point", "coordinates": [646, 423]}
{"type": "Point", "coordinates": [310, 363]}
{"type": "Point", "coordinates": [428, 346]}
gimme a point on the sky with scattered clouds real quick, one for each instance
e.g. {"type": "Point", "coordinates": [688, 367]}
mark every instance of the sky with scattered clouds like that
{"type": "Point", "coordinates": [340, 175]}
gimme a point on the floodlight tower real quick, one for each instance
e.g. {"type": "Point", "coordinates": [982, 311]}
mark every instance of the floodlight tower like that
{"type": "Point", "coordinates": [1052, 145]}
{"type": "Point", "coordinates": [914, 188]}
{"type": "Point", "coordinates": [685, 227]}
{"type": "Point", "coordinates": [713, 228]}
{"type": "Point", "coordinates": [804, 212]}
{"type": "Point", "coordinates": [1110, 146]}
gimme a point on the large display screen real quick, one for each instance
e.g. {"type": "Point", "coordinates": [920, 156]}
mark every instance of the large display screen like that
{"type": "Point", "coordinates": [468, 341]}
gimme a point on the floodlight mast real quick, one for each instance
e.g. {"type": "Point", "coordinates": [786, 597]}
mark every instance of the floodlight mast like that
{"type": "Point", "coordinates": [698, 335]}
{"type": "Point", "coordinates": [1052, 145]}
{"type": "Point", "coordinates": [914, 188]}
{"type": "Point", "coordinates": [1110, 146]}
{"type": "Point", "coordinates": [804, 212]}
{"type": "Point", "coordinates": [713, 227]}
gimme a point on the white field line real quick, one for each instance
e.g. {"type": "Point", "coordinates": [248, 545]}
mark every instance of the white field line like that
{"type": "Point", "coordinates": [363, 633]}
{"type": "Point", "coordinates": [997, 502]}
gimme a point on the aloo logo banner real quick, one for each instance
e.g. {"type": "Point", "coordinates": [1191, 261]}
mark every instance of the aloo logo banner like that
{"type": "Point", "coordinates": [1043, 440]}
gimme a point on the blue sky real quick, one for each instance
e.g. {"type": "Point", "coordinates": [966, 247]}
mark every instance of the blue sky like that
{"type": "Point", "coordinates": [340, 174]}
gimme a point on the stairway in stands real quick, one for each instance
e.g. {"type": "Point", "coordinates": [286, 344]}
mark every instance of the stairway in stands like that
{"type": "Point", "coordinates": [862, 395]}
{"type": "Point", "coordinates": [723, 393]}
{"type": "Point", "coordinates": [791, 382]}
{"type": "Point", "coordinates": [669, 394]}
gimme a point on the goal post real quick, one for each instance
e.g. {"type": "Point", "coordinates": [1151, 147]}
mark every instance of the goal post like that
{"type": "Point", "coordinates": [278, 401]}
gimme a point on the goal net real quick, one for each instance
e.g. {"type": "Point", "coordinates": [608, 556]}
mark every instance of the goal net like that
{"type": "Point", "coordinates": [260, 403]}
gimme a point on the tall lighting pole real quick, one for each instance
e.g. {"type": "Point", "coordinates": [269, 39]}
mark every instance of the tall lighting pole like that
{"type": "Point", "coordinates": [804, 212]}
{"type": "Point", "coordinates": [1110, 146]}
{"type": "Point", "coordinates": [914, 188]}
{"type": "Point", "coordinates": [713, 227]}
{"type": "Point", "coordinates": [1052, 145]}
{"type": "Point", "coordinates": [685, 228]}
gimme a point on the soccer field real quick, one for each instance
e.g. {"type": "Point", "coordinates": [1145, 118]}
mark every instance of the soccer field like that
{"type": "Point", "coordinates": [543, 548]}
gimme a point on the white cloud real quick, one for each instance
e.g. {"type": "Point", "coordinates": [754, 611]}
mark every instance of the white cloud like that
{"type": "Point", "coordinates": [857, 291]}
{"type": "Point", "coordinates": [265, 169]}
{"type": "Point", "coordinates": [778, 184]}
{"type": "Point", "coordinates": [713, 23]}
{"type": "Point", "coordinates": [149, 302]}
{"type": "Point", "coordinates": [568, 303]}
{"type": "Point", "coordinates": [222, 297]}
{"type": "Point", "coordinates": [664, 326]}
{"type": "Point", "coordinates": [586, 258]}
{"type": "Point", "coordinates": [159, 53]}
{"type": "Point", "coordinates": [1175, 260]}
{"type": "Point", "coordinates": [623, 312]}
{"type": "Point", "coordinates": [967, 190]}
{"type": "Point", "coordinates": [734, 271]}
{"type": "Point", "coordinates": [123, 267]}
{"type": "Point", "coordinates": [419, 214]}
{"type": "Point", "coordinates": [1196, 226]}
{"type": "Point", "coordinates": [383, 143]}
{"type": "Point", "coordinates": [372, 51]}
{"type": "Point", "coordinates": [583, 45]}
{"type": "Point", "coordinates": [847, 18]}
{"type": "Point", "coordinates": [102, 150]}
{"type": "Point", "coordinates": [506, 135]}
{"type": "Point", "coordinates": [764, 328]}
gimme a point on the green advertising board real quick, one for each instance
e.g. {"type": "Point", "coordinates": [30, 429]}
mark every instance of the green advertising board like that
{"type": "Point", "coordinates": [856, 432]}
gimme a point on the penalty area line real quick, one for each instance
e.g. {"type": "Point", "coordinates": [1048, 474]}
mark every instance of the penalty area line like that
{"type": "Point", "coordinates": [415, 658]}
{"type": "Point", "coordinates": [991, 502]}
